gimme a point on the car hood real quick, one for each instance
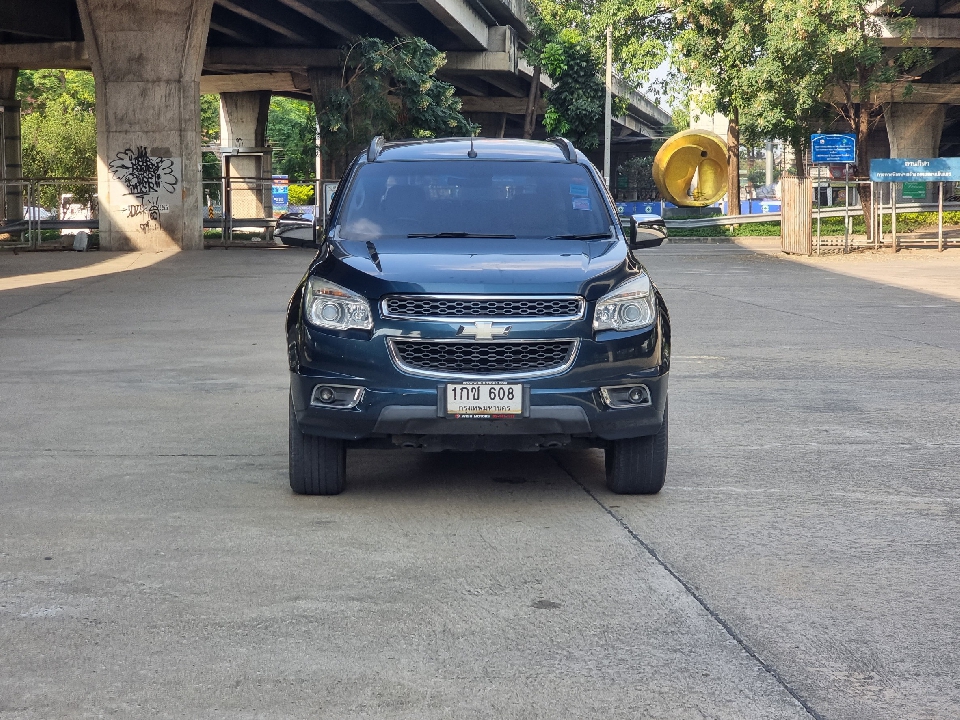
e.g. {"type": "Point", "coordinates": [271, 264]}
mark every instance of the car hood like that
{"type": "Point", "coordinates": [477, 265]}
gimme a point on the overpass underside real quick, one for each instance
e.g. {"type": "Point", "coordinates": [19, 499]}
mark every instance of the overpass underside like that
{"type": "Point", "coordinates": [152, 60]}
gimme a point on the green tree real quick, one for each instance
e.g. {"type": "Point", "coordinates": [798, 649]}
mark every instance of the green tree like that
{"type": "Point", "coordinates": [38, 88]}
{"type": "Point", "coordinates": [388, 89]}
{"type": "Point", "coordinates": [715, 47]}
{"type": "Point", "coordinates": [58, 130]}
{"type": "Point", "coordinates": [569, 44]}
{"type": "Point", "coordinates": [292, 132]}
{"type": "Point", "coordinates": [575, 104]}
{"type": "Point", "coordinates": [790, 67]}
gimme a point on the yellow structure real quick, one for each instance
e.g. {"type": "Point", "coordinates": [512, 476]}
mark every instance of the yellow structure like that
{"type": "Point", "coordinates": [690, 170]}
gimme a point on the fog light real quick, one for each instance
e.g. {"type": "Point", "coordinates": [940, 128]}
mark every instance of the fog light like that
{"type": "Point", "coordinates": [339, 397]}
{"type": "Point", "coordinates": [626, 397]}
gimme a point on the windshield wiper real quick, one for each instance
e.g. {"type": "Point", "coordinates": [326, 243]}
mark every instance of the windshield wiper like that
{"type": "Point", "coordinates": [460, 235]}
{"type": "Point", "coordinates": [589, 236]}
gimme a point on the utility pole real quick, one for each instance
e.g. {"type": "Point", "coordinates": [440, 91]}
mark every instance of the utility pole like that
{"type": "Point", "coordinates": [608, 110]}
{"type": "Point", "coordinates": [769, 164]}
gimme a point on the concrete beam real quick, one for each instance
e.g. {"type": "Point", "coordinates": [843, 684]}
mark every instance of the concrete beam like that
{"type": "Point", "coordinates": [508, 82]}
{"type": "Point", "coordinates": [460, 19]}
{"type": "Point", "coordinates": [498, 61]}
{"type": "Point", "coordinates": [38, 18]}
{"type": "Point", "coordinates": [248, 82]}
{"type": "Point", "coordinates": [273, 59]}
{"type": "Point", "coordinates": [508, 105]}
{"type": "Point", "coordinates": [236, 27]}
{"type": "Point", "coordinates": [513, 13]}
{"type": "Point", "coordinates": [280, 19]}
{"type": "Point", "coordinates": [920, 94]}
{"type": "Point", "coordinates": [469, 84]}
{"type": "Point", "coordinates": [327, 19]}
{"type": "Point", "coordinates": [930, 32]}
{"type": "Point", "coordinates": [384, 18]}
{"type": "Point", "coordinates": [278, 59]}
{"type": "Point", "coordinates": [38, 56]}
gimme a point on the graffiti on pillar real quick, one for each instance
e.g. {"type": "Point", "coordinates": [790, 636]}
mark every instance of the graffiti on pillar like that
{"type": "Point", "coordinates": [146, 178]}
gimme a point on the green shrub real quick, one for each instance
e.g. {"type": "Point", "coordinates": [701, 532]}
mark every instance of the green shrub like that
{"type": "Point", "coordinates": [301, 194]}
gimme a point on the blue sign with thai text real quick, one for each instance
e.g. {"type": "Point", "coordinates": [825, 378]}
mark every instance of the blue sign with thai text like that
{"type": "Point", "coordinates": [833, 148]}
{"type": "Point", "coordinates": [281, 193]}
{"type": "Point", "coordinates": [915, 169]}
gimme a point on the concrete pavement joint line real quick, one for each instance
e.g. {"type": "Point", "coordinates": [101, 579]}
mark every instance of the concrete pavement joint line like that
{"type": "Point", "coordinates": [94, 279]}
{"type": "Point", "coordinates": [807, 317]}
{"type": "Point", "coordinates": [734, 635]}
{"type": "Point", "coordinates": [39, 304]}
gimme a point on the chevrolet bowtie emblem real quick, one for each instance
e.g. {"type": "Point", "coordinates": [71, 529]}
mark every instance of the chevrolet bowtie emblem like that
{"type": "Point", "coordinates": [484, 330]}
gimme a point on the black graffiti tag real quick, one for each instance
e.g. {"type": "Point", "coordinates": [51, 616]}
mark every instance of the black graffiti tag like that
{"type": "Point", "coordinates": [143, 174]}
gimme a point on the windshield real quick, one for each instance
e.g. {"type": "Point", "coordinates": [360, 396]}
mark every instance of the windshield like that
{"type": "Point", "coordinates": [482, 198]}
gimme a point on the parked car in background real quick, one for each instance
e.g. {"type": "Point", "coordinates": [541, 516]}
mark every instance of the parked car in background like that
{"type": "Point", "coordinates": [296, 229]}
{"type": "Point", "coordinates": [478, 294]}
{"type": "Point", "coordinates": [36, 213]}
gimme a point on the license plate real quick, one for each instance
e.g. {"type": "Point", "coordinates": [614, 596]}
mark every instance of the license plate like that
{"type": "Point", "coordinates": [491, 400]}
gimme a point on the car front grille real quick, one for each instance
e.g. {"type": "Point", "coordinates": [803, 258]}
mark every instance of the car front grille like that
{"type": "Point", "coordinates": [483, 359]}
{"type": "Point", "coordinates": [479, 306]}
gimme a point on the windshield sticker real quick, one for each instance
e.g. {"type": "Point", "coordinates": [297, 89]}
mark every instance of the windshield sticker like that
{"type": "Point", "coordinates": [579, 190]}
{"type": "Point", "coordinates": [581, 203]}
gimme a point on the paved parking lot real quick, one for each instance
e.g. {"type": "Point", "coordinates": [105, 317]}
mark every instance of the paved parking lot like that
{"type": "Point", "coordinates": [801, 562]}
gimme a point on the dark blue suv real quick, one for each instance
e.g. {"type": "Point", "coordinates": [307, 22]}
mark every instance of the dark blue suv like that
{"type": "Point", "coordinates": [478, 294]}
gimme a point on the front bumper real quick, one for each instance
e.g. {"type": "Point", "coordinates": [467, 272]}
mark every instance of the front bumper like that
{"type": "Point", "coordinates": [400, 409]}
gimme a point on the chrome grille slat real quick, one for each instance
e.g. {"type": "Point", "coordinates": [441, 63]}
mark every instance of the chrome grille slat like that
{"type": "Point", "coordinates": [503, 358]}
{"type": "Point", "coordinates": [486, 307]}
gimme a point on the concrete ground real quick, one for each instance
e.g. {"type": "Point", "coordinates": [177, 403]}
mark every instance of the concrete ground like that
{"type": "Point", "coordinates": [801, 561]}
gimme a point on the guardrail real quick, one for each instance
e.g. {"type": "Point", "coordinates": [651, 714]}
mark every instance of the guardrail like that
{"type": "Point", "coordinates": [722, 220]}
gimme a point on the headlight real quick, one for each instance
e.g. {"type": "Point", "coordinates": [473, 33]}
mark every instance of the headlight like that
{"type": "Point", "coordinates": [330, 306]}
{"type": "Point", "coordinates": [628, 306]}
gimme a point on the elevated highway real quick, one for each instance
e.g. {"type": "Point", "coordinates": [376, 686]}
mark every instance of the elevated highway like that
{"type": "Point", "coordinates": [152, 60]}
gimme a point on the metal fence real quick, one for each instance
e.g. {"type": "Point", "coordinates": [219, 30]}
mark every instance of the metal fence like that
{"type": "Point", "coordinates": [75, 209]}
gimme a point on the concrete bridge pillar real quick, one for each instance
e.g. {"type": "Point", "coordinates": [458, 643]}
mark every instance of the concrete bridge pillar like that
{"type": "Point", "coordinates": [11, 197]}
{"type": "Point", "coordinates": [243, 123]}
{"type": "Point", "coordinates": [146, 59]}
{"type": "Point", "coordinates": [323, 81]}
{"type": "Point", "coordinates": [914, 131]}
{"type": "Point", "coordinates": [243, 118]}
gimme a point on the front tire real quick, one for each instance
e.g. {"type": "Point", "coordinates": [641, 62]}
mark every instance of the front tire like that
{"type": "Point", "coordinates": [638, 466]}
{"type": "Point", "coordinates": [318, 465]}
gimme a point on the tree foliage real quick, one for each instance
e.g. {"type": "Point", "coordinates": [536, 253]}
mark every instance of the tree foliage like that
{"type": "Point", "coordinates": [641, 31]}
{"type": "Point", "coordinates": [575, 104]}
{"type": "Point", "coordinates": [792, 67]}
{"type": "Point", "coordinates": [58, 130]}
{"type": "Point", "coordinates": [291, 131]}
{"type": "Point", "coordinates": [569, 42]}
{"type": "Point", "coordinates": [388, 89]}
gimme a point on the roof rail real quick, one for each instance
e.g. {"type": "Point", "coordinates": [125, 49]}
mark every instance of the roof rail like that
{"type": "Point", "coordinates": [569, 151]}
{"type": "Point", "coordinates": [376, 146]}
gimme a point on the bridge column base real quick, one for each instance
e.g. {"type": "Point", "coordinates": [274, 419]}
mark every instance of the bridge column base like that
{"type": "Point", "coordinates": [146, 60]}
{"type": "Point", "coordinates": [914, 131]}
{"type": "Point", "coordinates": [11, 196]}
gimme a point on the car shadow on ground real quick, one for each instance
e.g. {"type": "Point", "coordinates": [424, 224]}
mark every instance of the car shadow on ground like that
{"type": "Point", "coordinates": [390, 473]}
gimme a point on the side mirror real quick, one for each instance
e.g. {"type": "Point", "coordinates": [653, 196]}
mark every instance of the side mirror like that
{"type": "Point", "coordinates": [644, 231]}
